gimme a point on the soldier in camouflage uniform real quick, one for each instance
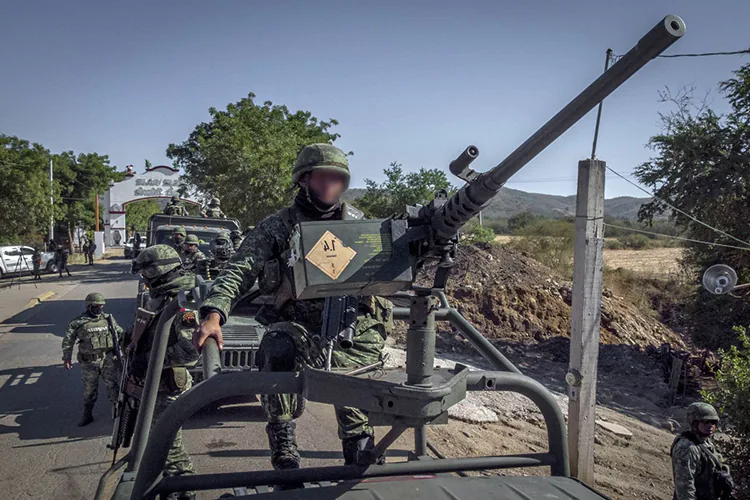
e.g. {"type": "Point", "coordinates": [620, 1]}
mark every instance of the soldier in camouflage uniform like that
{"type": "Point", "coordinates": [174, 207]}
{"type": "Point", "coordinates": [178, 239]}
{"type": "Point", "coordinates": [214, 211]}
{"type": "Point", "coordinates": [699, 473]}
{"type": "Point", "coordinates": [192, 258]}
{"type": "Point", "coordinates": [292, 339]}
{"type": "Point", "coordinates": [221, 250]}
{"type": "Point", "coordinates": [236, 237]}
{"type": "Point", "coordinates": [160, 268]}
{"type": "Point", "coordinates": [93, 332]}
{"type": "Point", "coordinates": [36, 261]}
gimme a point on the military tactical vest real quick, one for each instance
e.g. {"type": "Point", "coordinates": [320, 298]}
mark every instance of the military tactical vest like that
{"type": "Point", "coordinates": [94, 336]}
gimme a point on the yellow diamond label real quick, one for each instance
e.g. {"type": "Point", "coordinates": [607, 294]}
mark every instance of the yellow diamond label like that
{"type": "Point", "coordinates": [330, 255]}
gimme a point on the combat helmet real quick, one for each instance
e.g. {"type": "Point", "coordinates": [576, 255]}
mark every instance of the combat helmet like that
{"type": "Point", "coordinates": [175, 199]}
{"type": "Point", "coordinates": [701, 412]}
{"type": "Point", "coordinates": [214, 202]}
{"type": "Point", "coordinates": [94, 298]}
{"type": "Point", "coordinates": [155, 261]}
{"type": "Point", "coordinates": [192, 240]}
{"type": "Point", "coordinates": [179, 230]}
{"type": "Point", "coordinates": [320, 157]}
{"type": "Point", "coordinates": [221, 246]}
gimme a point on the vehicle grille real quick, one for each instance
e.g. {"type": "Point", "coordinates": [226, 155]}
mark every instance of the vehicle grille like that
{"type": "Point", "coordinates": [238, 360]}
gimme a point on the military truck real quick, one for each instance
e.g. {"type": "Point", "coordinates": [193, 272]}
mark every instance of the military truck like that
{"type": "Point", "coordinates": [242, 334]}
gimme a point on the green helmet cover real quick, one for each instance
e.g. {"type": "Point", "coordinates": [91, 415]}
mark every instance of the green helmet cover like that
{"type": "Point", "coordinates": [156, 260]}
{"type": "Point", "coordinates": [175, 199]}
{"type": "Point", "coordinates": [320, 157]}
{"type": "Point", "coordinates": [701, 412]}
{"type": "Point", "coordinates": [95, 298]}
{"type": "Point", "coordinates": [192, 240]}
{"type": "Point", "coordinates": [179, 230]}
{"type": "Point", "coordinates": [214, 202]}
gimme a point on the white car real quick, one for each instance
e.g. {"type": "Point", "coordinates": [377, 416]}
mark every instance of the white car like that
{"type": "Point", "coordinates": [17, 259]}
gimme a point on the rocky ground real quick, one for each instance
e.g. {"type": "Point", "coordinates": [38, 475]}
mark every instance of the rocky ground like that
{"type": "Point", "coordinates": [524, 309]}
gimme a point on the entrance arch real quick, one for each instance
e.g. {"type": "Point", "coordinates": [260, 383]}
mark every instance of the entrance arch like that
{"type": "Point", "coordinates": [156, 183]}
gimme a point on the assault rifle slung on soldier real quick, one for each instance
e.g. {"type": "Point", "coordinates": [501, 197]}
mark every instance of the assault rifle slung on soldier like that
{"type": "Point", "coordinates": [381, 257]}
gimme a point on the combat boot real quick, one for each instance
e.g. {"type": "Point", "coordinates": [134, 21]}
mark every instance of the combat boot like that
{"type": "Point", "coordinates": [283, 444]}
{"type": "Point", "coordinates": [357, 450]}
{"type": "Point", "coordinates": [87, 417]}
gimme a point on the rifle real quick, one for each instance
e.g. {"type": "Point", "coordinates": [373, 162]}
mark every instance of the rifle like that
{"type": "Point", "coordinates": [116, 338]}
{"type": "Point", "coordinates": [124, 413]}
{"type": "Point", "coordinates": [339, 321]}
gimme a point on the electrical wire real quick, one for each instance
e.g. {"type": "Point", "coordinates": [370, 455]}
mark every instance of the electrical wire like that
{"type": "Point", "coordinates": [616, 58]}
{"type": "Point", "coordinates": [677, 237]}
{"type": "Point", "coordinates": [677, 209]}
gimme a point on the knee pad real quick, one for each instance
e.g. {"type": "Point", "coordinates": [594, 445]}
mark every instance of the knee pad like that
{"type": "Point", "coordinates": [277, 352]}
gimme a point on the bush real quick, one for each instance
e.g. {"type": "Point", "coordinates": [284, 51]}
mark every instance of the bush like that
{"type": "Point", "coordinates": [550, 242]}
{"type": "Point", "coordinates": [475, 233]}
{"type": "Point", "coordinates": [613, 245]}
{"type": "Point", "coordinates": [732, 397]}
{"type": "Point", "coordinates": [635, 242]}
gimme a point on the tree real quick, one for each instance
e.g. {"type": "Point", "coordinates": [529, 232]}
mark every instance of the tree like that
{"type": "Point", "coordinates": [138, 213]}
{"type": "Point", "coordinates": [244, 155]}
{"type": "Point", "coordinates": [702, 166]}
{"type": "Point", "coordinates": [400, 189]}
{"type": "Point", "coordinates": [24, 184]}
{"type": "Point", "coordinates": [519, 221]}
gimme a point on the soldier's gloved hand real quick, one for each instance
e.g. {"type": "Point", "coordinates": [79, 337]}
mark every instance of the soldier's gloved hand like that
{"type": "Point", "coordinates": [210, 327]}
{"type": "Point", "coordinates": [67, 364]}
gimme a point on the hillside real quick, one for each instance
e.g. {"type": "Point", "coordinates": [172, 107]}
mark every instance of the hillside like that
{"type": "Point", "coordinates": [512, 201]}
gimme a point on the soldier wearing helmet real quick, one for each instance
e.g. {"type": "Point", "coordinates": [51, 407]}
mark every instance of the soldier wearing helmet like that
{"type": "Point", "coordinates": [236, 237]}
{"type": "Point", "coordinates": [161, 269]}
{"type": "Point", "coordinates": [92, 330]}
{"type": "Point", "coordinates": [214, 211]}
{"type": "Point", "coordinates": [221, 250]}
{"type": "Point", "coordinates": [192, 258]}
{"type": "Point", "coordinates": [699, 473]}
{"type": "Point", "coordinates": [174, 207]}
{"type": "Point", "coordinates": [178, 239]}
{"type": "Point", "coordinates": [321, 174]}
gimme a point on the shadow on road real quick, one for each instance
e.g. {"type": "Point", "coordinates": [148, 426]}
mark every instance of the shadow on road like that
{"type": "Point", "coordinates": [53, 316]}
{"type": "Point", "coordinates": [45, 402]}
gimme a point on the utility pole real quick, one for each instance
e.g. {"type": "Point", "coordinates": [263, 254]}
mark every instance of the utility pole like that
{"type": "Point", "coordinates": [51, 205]}
{"type": "Point", "coordinates": [584, 333]}
{"type": "Point", "coordinates": [96, 211]}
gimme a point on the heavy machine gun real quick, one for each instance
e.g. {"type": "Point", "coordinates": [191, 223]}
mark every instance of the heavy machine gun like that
{"type": "Point", "coordinates": [381, 257]}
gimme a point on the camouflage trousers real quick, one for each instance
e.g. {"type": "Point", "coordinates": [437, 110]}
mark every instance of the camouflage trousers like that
{"type": "Point", "coordinates": [178, 461]}
{"type": "Point", "coordinates": [368, 344]}
{"type": "Point", "coordinates": [91, 371]}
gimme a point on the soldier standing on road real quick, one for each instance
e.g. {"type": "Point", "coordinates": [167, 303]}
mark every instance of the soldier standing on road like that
{"type": "Point", "coordinates": [90, 252]}
{"type": "Point", "coordinates": [160, 268]}
{"type": "Point", "coordinates": [178, 239]}
{"type": "Point", "coordinates": [214, 211]}
{"type": "Point", "coordinates": [95, 353]}
{"type": "Point", "coordinates": [192, 258]}
{"type": "Point", "coordinates": [321, 173]}
{"type": "Point", "coordinates": [36, 261]}
{"type": "Point", "coordinates": [61, 259]}
{"type": "Point", "coordinates": [699, 473]}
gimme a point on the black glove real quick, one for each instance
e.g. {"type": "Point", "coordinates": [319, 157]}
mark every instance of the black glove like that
{"type": "Point", "coordinates": [724, 485]}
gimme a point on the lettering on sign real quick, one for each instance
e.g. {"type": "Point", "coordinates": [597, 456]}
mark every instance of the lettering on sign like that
{"type": "Point", "coordinates": [330, 255]}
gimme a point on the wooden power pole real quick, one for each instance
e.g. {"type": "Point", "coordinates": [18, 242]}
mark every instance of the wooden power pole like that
{"type": "Point", "coordinates": [584, 334]}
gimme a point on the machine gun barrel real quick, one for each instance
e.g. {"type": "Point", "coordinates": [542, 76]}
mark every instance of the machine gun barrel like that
{"type": "Point", "coordinates": [475, 195]}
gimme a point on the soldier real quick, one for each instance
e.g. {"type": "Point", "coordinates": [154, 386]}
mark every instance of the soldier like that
{"type": "Point", "coordinates": [90, 252]}
{"type": "Point", "coordinates": [36, 261]}
{"type": "Point", "coordinates": [192, 258]}
{"type": "Point", "coordinates": [214, 211]}
{"type": "Point", "coordinates": [61, 259]}
{"type": "Point", "coordinates": [236, 237]}
{"type": "Point", "coordinates": [174, 207]}
{"type": "Point", "coordinates": [699, 473]}
{"type": "Point", "coordinates": [321, 173]}
{"type": "Point", "coordinates": [159, 266]}
{"type": "Point", "coordinates": [221, 250]}
{"type": "Point", "coordinates": [178, 239]}
{"type": "Point", "coordinates": [93, 332]}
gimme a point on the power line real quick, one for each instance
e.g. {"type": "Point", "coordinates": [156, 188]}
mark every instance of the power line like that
{"type": "Point", "coordinates": [677, 209]}
{"type": "Point", "coordinates": [745, 249]}
{"type": "Point", "coordinates": [616, 58]}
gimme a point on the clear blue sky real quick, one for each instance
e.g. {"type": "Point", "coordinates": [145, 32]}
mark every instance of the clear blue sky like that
{"type": "Point", "coordinates": [409, 81]}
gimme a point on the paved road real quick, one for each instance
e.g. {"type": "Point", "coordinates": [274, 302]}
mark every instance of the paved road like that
{"type": "Point", "coordinates": [45, 455]}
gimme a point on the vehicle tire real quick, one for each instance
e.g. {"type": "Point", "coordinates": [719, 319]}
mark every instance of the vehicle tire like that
{"type": "Point", "coordinates": [51, 267]}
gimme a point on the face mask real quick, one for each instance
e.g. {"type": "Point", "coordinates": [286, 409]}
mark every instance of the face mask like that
{"type": "Point", "coordinates": [96, 310]}
{"type": "Point", "coordinates": [179, 240]}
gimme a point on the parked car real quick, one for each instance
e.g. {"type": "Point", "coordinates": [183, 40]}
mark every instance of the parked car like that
{"type": "Point", "coordinates": [17, 259]}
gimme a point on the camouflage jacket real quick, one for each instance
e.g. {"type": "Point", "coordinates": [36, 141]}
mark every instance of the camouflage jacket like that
{"type": "Point", "coordinates": [175, 209]}
{"type": "Point", "coordinates": [215, 213]}
{"type": "Point", "coordinates": [92, 334]}
{"type": "Point", "coordinates": [695, 464]}
{"type": "Point", "coordinates": [189, 260]}
{"type": "Point", "coordinates": [180, 350]}
{"type": "Point", "coordinates": [264, 248]}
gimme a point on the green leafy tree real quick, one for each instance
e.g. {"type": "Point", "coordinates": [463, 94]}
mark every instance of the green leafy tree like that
{"type": "Point", "coordinates": [244, 155]}
{"type": "Point", "coordinates": [478, 234]}
{"type": "Point", "coordinates": [24, 184]}
{"type": "Point", "coordinates": [138, 213]}
{"type": "Point", "coordinates": [401, 189]}
{"type": "Point", "coordinates": [519, 221]}
{"type": "Point", "coordinates": [731, 396]}
{"type": "Point", "coordinates": [702, 166]}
